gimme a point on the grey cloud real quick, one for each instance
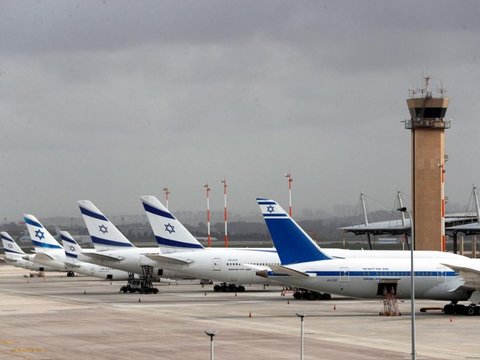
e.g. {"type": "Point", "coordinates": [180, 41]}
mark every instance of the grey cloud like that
{"type": "Point", "coordinates": [114, 99]}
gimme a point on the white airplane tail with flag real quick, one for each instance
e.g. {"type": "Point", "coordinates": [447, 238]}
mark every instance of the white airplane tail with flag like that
{"type": "Point", "coordinates": [41, 238]}
{"type": "Point", "coordinates": [10, 246]}
{"type": "Point", "coordinates": [103, 233]}
{"type": "Point", "coordinates": [71, 247]}
{"type": "Point", "coordinates": [170, 234]}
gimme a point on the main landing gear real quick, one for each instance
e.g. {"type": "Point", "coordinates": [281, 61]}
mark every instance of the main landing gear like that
{"type": "Point", "coordinates": [453, 308]}
{"type": "Point", "coordinates": [224, 287]}
{"type": "Point", "coordinates": [70, 274]}
{"type": "Point", "coordinates": [143, 285]}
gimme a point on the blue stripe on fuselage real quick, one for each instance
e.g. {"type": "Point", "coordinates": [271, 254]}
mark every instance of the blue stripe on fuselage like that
{"type": "Point", "coordinates": [376, 274]}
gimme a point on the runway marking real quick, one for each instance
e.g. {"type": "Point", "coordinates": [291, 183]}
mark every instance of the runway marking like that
{"type": "Point", "coordinates": [27, 350]}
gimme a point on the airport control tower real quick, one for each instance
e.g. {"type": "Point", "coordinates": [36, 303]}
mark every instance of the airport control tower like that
{"type": "Point", "coordinates": [427, 125]}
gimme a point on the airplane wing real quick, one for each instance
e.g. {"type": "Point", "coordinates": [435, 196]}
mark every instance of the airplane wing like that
{"type": "Point", "coordinates": [259, 270]}
{"type": "Point", "coordinates": [168, 259]}
{"type": "Point", "coordinates": [470, 276]}
{"type": "Point", "coordinates": [103, 256]}
{"type": "Point", "coordinates": [70, 265]}
{"type": "Point", "coordinates": [42, 256]}
{"type": "Point", "coordinates": [257, 267]}
{"type": "Point", "coordinates": [283, 270]}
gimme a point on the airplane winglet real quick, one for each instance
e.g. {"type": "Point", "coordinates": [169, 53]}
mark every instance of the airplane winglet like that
{"type": "Point", "coordinates": [284, 270]}
{"type": "Point", "coordinates": [470, 275]}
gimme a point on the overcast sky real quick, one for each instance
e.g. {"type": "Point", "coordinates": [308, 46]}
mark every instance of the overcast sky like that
{"type": "Point", "coordinates": [110, 100]}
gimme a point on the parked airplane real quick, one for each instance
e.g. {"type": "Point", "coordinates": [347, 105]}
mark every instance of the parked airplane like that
{"type": "Point", "coordinates": [304, 264]}
{"type": "Point", "coordinates": [47, 250]}
{"type": "Point", "coordinates": [14, 255]}
{"type": "Point", "coordinates": [114, 250]}
{"type": "Point", "coordinates": [50, 252]}
{"type": "Point", "coordinates": [72, 249]}
{"type": "Point", "coordinates": [182, 253]}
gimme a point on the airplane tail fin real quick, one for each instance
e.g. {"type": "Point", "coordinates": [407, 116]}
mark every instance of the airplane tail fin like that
{"type": "Point", "coordinates": [292, 243]}
{"type": "Point", "coordinates": [170, 234]}
{"type": "Point", "coordinates": [70, 246]}
{"type": "Point", "coordinates": [103, 233]}
{"type": "Point", "coordinates": [41, 238]}
{"type": "Point", "coordinates": [10, 246]}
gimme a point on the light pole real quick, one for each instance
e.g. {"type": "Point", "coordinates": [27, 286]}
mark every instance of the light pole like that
{"type": "Point", "coordinates": [290, 180]}
{"type": "Point", "coordinates": [165, 190]}
{"type": "Point", "coordinates": [211, 333]}
{"type": "Point", "coordinates": [207, 189]}
{"type": "Point", "coordinates": [301, 316]}
{"type": "Point", "coordinates": [412, 279]}
{"type": "Point", "coordinates": [224, 182]}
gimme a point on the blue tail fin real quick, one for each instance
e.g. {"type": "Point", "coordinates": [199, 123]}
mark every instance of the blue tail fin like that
{"type": "Point", "coordinates": [292, 243]}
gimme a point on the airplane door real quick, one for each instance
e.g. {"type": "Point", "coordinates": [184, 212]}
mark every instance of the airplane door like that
{"type": "Point", "coordinates": [217, 264]}
{"type": "Point", "coordinates": [441, 273]}
{"type": "Point", "coordinates": [344, 274]}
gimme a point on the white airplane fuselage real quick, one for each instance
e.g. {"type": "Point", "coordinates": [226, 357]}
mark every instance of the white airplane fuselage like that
{"type": "Point", "coordinates": [56, 259]}
{"type": "Point", "coordinates": [229, 264]}
{"type": "Point", "coordinates": [130, 259]}
{"type": "Point", "coordinates": [18, 261]}
{"type": "Point", "coordinates": [221, 264]}
{"type": "Point", "coordinates": [369, 279]}
{"type": "Point", "coordinates": [98, 271]}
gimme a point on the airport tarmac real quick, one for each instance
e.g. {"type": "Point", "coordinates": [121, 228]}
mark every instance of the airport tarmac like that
{"type": "Point", "coordinates": [57, 317]}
